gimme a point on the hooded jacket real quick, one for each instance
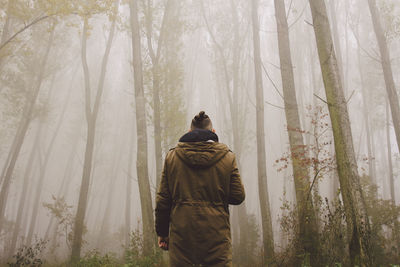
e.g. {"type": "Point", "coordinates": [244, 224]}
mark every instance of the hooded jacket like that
{"type": "Point", "coordinates": [199, 180]}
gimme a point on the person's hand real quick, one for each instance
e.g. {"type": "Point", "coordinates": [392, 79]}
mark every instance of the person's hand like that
{"type": "Point", "coordinates": [163, 242]}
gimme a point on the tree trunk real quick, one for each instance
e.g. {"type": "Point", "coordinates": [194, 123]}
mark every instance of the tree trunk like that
{"type": "Point", "coordinates": [22, 199]}
{"type": "Point", "coordinates": [387, 69]}
{"type": "Point", "coordinates": [155, 60]}
{"type": "Point", "coordinates": [21, 133]}
{"type": "Point", "coordinates": [268, 238]}
{"type": "Point", "coordinates": [336, 39]}
{"type": "Point", "coordinates": [354, 205]}
{"type": "Point", "coordinates": [308, 234]}
{"type": "Point", "coordinates": [91, 117]}
{"type": "Point", "coordinates": [371, 160]}
{"type": "Point", "coordinates": [389, 153]}
{"type": "Point", "coordinates": [237, 140]}
{"type": "Point", "coordinates": [128, 199]}
{"type": "Point", "coordinates": [141, 159]}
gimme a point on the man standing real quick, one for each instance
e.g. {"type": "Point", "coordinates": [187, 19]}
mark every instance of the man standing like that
{"type": "Point", "coordinates": [199, 180]}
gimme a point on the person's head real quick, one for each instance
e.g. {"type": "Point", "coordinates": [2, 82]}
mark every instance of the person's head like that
{"type": "Point", "coordinates": [201, 121]}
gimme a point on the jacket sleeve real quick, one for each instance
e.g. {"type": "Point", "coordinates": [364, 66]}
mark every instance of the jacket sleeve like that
{"type": "Point", "coordinates": [163, 205]}
{"type": "Point", "coordinates": [236, 192]}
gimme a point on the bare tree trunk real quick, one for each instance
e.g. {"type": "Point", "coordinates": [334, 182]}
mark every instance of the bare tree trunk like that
{"type": "Point", "coordinates": [22, 198]}
{"type": "Point", "coordinates": [155, 60]}
{"type": "Point", "coordinates": [389, 153]}
{"type": "Point", "coordinates": [336, 39]}
{"type": "Point", "coordinates": [387, 69]}
{"type": "Point", "coordinates": [141, 127]}
{"type": "Point", "coordinates": [268, 238]}
{"type": "Point", "coordinates": [128, 199]}
{"type": "Point", "coordinates": [371, 160]}
{"type": "Point", "coordinates": [21, 133]}
{"type": "Point", "coordinates": [91, 117]}
{"type": "Point", "coordinates": [237, 140]}
{"type": "Point", "coordinates": [308, 234]}
{"type": "Point", "coordinates": [355, 210]}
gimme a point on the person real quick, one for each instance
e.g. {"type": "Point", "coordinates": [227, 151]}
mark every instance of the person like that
{"type": "Point", "coordinates": [200, 179]}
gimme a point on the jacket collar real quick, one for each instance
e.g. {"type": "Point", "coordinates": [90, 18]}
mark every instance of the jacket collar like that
{"type": "Point", "coordinates": [199, 135]}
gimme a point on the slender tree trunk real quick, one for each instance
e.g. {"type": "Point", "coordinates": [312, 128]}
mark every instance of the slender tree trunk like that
{"type": "Point", "coordinates": [354, 205]}
{"type": "Point", "coordinates": [155, 56]}
{"type": "Point", "coordinates": [21, 133]}
{"type": "Point", "coordinates": [268, 238]}
{"type": "Point", "coordinates": [389, 153]}
{"type": "Point", "coordinates": [241, 246]}
{"type": "Point", "coordinates": [128, 199]}
{"type": "Point", "coordinates": [91, 117]}
{"type": "Point", "coordinates": [308, 234]}
{"type": "Point", "coordinates": [141, 128]}
{"type": "Point", "coordinates": [371, 160]}
{"type": "Point", "coordinates": [387, 69]}
{"type": "Point", "coordinates": [22, 199]}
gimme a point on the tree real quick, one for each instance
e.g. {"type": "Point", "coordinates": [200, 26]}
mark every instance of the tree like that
{"type": "Point", "coordinates": [22, 198]}
{"type": "Point", "coordinates": [387, 69]}
{"type": "Point", "coordinates": [268, 238]}
{"type": "Point", "coordinates": [155, 55]}
{"type": "Point", "coordinates": [141, 128]}
{"type": "Point", "coordinates": [356, 215]}
{"type": "Point", "coordinates": [370, 140]}
{"type": "Point", "coordinates": [389, 154]}
{"type": "Point", "coordinates": [308, 230]}
{"type": "Point", "coordinates": [128, 196]}
{"type": "Point", "coordinates": [23, 128]}
{"type": "Point", "coordinates": [91, 117]}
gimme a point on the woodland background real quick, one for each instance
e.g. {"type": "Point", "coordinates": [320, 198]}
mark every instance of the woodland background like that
{"type": "Point", "coordinates": [94, 93]}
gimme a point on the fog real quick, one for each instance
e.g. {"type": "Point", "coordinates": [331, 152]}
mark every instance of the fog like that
{"type": "Point", "coordinates": [93, 94]}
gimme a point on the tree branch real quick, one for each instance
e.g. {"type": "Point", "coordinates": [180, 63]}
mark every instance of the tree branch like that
{"type": "Point", "coordinates": [27, 26]}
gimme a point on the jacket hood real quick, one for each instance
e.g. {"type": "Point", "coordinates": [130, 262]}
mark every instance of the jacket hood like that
{"type": "Point", "coordinates": [201, 154]}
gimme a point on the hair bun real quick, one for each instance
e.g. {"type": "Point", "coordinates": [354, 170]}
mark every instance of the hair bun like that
{"type": "Point", "coordinates": [201, 120]}
{"type": "Point", "coordinates": [202, 115]}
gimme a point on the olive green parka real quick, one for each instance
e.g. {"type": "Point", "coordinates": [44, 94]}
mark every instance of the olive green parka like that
{"type": "Point", "coordinates": [199, 181]}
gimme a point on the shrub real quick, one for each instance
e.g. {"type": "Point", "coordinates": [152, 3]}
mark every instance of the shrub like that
{"type": "Point", "coordinates": [95, 259]}
{"type": "Point", "coordinates": [134, 256]}
{"type": "Point", "coordinates": [29, 255]}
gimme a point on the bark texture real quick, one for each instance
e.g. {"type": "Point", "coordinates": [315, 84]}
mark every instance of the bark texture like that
{"type": "Point", "coordinates": [356, 216]}
{"type": "Point", "coordinates": [308, 234]}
